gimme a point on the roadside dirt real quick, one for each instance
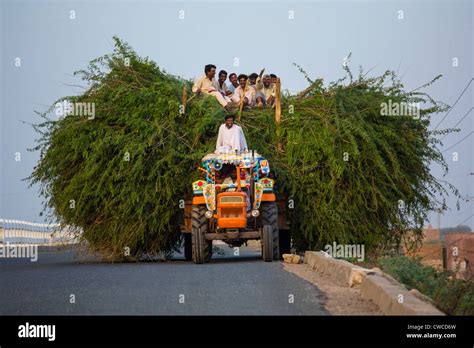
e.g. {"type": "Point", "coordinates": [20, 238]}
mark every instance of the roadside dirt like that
{"type": "Point", "coordinates": [340, 300]}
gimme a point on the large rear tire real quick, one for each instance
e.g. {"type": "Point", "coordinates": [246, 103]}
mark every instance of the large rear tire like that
{"type": "Point", "coordinates": [269, 216]}
{"type": "Point", "coordinates": [267, 243]}
{"type": "Point", "coordinates": [201, 248]}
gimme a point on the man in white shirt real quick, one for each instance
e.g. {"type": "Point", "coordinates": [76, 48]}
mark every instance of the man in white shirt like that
{"type": "Point", "coordinates": [231, 137]}
{"type": "Point", "coordinates": [244, 91]}
{"type": "Point", "coordinates": [259, 97]}
{"type": "Point", "coordinates": [234, 83]}
{"type": "Point", "coordinates": [221, 85]}
{"type": "Point", "coordinates": [207, 84]}
{"type": "Point", "coordinates": [267, 89]}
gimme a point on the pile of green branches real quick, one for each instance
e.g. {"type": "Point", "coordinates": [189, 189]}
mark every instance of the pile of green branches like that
{"type": "Point", "coordinates": [122, 176]}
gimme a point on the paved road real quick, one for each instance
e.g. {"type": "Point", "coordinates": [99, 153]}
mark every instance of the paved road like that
{"type": "Point", "coordinates": [228, 285]}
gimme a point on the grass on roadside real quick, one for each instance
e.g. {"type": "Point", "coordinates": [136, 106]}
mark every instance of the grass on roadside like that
{"type": "Point", "coordinates": [452, 296]}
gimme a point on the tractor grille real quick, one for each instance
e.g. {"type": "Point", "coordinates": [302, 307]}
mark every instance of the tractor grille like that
{"type": "Point", "coordinates": [232, 199]}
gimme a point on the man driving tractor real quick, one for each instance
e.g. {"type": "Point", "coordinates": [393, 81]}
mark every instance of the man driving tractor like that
{"type": "Point", "coordinates": [231, 137]}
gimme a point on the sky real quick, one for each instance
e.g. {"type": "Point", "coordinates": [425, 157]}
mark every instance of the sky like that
{"type": "Point", "coordinates": [43, 42]}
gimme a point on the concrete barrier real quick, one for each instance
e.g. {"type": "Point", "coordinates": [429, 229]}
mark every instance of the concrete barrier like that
{"type": "Point", "coordinates": [393, 298]}
{"type": "Point", "coordinates": [339, 271]}
{"type": "Point", "coordinates": [390, 296]}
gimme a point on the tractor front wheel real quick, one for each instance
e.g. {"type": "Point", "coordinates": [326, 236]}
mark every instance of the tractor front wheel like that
{"type": "Point", "coordinates": [267, 243]}
{"type": "Point", "coordinates": [201, 248]}
{"type": "Point", "coordinates": [269, 216]}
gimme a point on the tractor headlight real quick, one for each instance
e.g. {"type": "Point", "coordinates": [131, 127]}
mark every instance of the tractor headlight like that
{"type": "Point", "coordinates": [255, 213]}
{"type": "Point", "coordinates": [209, 214]}
{"type": "Point", "coordinates": [217, 165]}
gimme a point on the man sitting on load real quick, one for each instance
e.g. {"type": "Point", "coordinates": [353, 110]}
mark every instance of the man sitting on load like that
{"type": "Point", "coordinates": [245, 92]}
{"type": "Point", "coordinates": [267, 90]}
{"type": "Point", "coordinates": [207, 84]}
{"type": "Point", "coordinates": [221, 85]}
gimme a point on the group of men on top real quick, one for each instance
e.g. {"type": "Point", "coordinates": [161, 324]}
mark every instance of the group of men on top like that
{"type": "Point", "coordinates": [259, 91]}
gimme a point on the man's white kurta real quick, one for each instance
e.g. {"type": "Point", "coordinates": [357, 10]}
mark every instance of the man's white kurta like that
{"type": "Point", "coordinates": [230, 139]}
{"type": "Point", "coordinates": [210, 87]}
{"type": "Point", "coordinates": [249, 93]}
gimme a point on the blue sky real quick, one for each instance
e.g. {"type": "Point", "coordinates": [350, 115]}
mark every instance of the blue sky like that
{"type": "Point", "coordinates": [420, 39]}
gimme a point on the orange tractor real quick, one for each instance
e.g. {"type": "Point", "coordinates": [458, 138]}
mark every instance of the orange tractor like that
{"type": "Point", "coordinates": [236, 202]}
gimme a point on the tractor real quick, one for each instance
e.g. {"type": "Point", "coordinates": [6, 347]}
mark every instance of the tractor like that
{"type": "Point", "coordinates": [234, 202]}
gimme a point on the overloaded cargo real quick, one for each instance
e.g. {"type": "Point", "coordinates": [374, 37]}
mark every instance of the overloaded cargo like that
{"type": "Point", "coordinates": [347, 168]}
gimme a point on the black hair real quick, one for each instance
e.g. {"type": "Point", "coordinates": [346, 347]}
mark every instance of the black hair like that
{"type": "Point", "coordinates": [229, 116]}
{"type": "Point", "coordinates": [273, 76]}
{"type": "Point", "coordinates": [242, 76]}
{"type": "Point", "coordinates": [233, 74]}
{"type": "Point", "coordinates": [253, 76]}
{"type": "Point", "coordinates": [222, 72]}
{"type": "Point", "coordinates": [208, 68]}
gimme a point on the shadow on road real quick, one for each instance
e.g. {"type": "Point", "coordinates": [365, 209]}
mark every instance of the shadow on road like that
{"type": "Point", "coordinates": [224, 259]}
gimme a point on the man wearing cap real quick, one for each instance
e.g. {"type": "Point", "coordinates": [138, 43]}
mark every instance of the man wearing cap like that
{"type": "Point", "coordinates": [231, 137]}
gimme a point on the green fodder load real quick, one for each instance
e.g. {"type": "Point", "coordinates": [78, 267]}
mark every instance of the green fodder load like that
{"type": "Point", "coordinates": [349, 174]}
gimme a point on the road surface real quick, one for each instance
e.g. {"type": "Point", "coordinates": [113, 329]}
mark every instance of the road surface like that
{"type": "Point", "coordinates": [229, 285]}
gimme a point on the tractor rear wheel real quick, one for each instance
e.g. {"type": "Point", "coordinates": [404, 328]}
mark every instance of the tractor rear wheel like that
{"type": "Point", "coordinates": [269, 216]}
{"type": "Point", "coordinates": [201, 248]}
{"type": "Point", "coordinates": [267, 243]}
